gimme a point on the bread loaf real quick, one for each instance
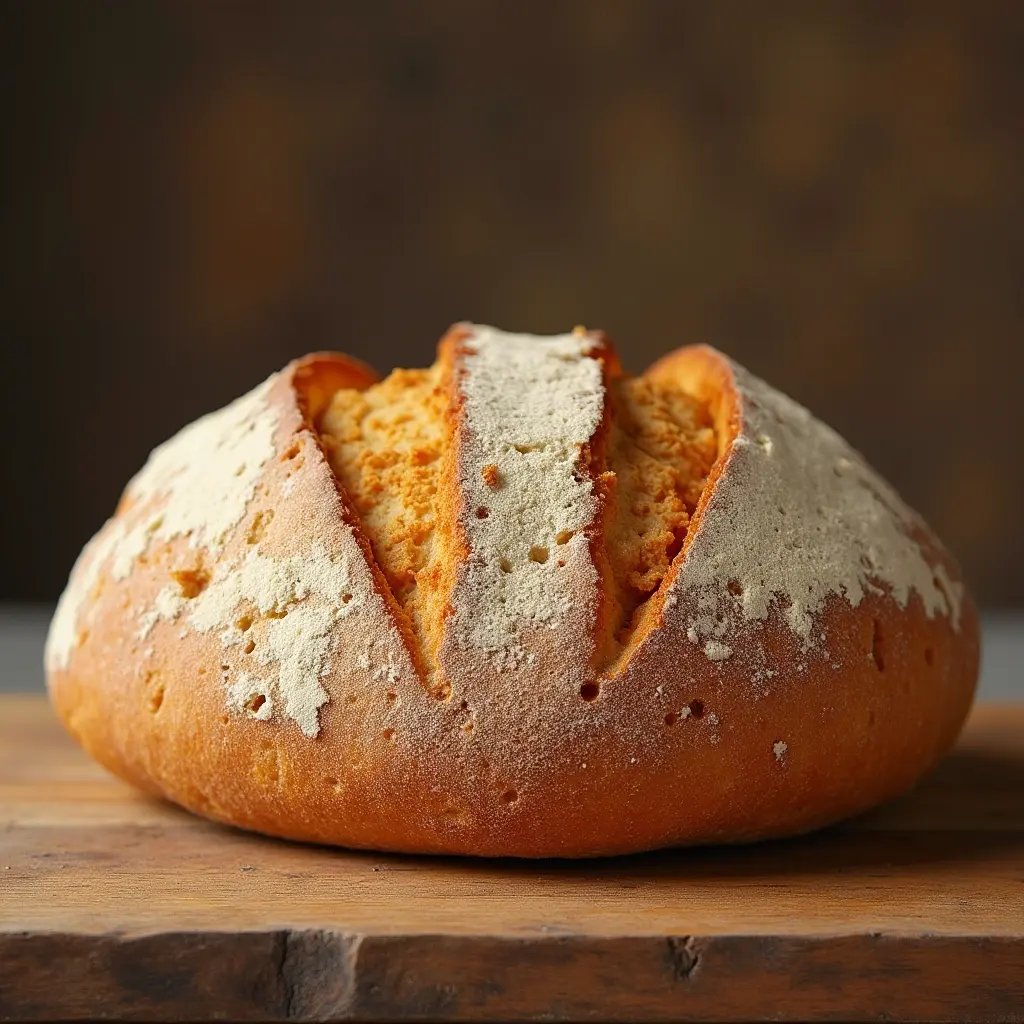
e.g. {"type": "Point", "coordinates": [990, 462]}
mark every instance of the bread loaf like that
{"type": "Point", "coordinates": [518, 603]}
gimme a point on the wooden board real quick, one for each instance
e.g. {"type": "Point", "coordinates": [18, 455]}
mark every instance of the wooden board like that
{"type": "Point", "coordinates": [116, 906]}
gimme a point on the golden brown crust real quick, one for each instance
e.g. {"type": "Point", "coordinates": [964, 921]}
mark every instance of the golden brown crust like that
{"type": "Point", "coordinates": [547, 757]}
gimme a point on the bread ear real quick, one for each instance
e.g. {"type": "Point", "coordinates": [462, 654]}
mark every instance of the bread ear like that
{"type": "Point", "coordinates": [317, 376]}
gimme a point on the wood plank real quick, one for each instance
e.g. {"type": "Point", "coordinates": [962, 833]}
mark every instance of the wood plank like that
{"type": "Point", "coordinates": [113, 905]}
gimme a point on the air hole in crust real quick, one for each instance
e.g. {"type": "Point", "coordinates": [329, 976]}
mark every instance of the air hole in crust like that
{"type": "Point", "coordinates": [259, 525]}
{"type": "Point", "coordinates": [389, 735]}
{"type": "Point", "coordinates": [696, 708]}
{"type": "Point", "coordinates": [538, 553]}
{"type": "Point", "coordinates": [735, 588]}
{"type": "Point", "coordinates": [510, 796]}
{"type": "Point", "coordinates": [156, 698]}
{"type": "Point", "coordinates": [191, 582]}
{"type": "Point", "coordinates": [249, 647]}
{"type": "Point", "coordinates": [671, 718]}
{"type": "Point", "coordinates": [345, 598]}
{"type": "Point", "coordinates": [876, 646]}
{"type": "Point", "coordinates": [243, 623]}
{"type": "Point", "coordinates": [563, 536]}
{"type": "Point", "coordinates": [482, 513]}
{"type": "Point", "coordinates": [590, 691]}
{"type": "Point", "coordinates": [290, 452]}
{"type": "Point", "coordinates": [505, 565]}
{"type": "Point", "coordinates": [254, 703]}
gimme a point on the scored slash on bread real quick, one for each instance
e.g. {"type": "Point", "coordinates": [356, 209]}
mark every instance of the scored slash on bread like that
{"type": "Point", "coordinates": [518, 603]}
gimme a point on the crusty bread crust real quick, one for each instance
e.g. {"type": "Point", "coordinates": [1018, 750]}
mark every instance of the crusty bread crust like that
{"type": "Point", "coordinates": [187, 663]}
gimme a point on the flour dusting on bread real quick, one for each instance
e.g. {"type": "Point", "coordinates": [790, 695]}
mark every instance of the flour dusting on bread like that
{"type": "Point", "coordinates": [207, 473]}
{"type": "Point", "coordinates": [797, 517]}
{"type": "Point", "coordinates": [530, 405]}
{"type": "Point", "coordinates": [71, 614]}
{"type": "Point", "coordinates": [286, 609]}
{"type": "Point", "coordinates": [198, 485]}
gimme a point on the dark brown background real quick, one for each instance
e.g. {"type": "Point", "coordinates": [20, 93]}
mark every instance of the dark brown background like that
{"type": "Point", "coordinates": [195, 193]}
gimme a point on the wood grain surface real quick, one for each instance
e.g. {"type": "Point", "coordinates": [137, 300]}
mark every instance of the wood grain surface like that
{"type": "Point", "coordinates": [115, 906]}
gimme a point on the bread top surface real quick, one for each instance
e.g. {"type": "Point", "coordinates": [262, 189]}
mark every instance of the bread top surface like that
{"type": "Point", "coordinates": [520, 524]}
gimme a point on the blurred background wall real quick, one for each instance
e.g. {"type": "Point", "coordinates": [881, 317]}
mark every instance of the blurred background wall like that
{"type": "Point", "coordinates": [195, 193]}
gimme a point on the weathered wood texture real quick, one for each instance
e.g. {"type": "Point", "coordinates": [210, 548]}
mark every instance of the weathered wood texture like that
{"type": "Point", "coordinates": [116, 906]}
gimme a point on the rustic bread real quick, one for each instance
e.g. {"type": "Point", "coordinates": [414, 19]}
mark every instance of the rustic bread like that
{"type": "Point", "coordinates": [515, 604]}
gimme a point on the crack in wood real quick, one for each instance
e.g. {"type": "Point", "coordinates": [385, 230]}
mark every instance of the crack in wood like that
{"type": "Point", "coordinates": [316, 971]}
{"type": "Point", "coordinates": [683, 956]}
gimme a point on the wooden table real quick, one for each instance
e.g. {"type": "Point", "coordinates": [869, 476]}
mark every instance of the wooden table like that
{"type": "Point", "coordinates": [116, 906]}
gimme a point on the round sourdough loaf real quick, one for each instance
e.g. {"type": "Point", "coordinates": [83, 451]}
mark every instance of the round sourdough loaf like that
{"type": "Point", "coordinates": [515, 604]}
